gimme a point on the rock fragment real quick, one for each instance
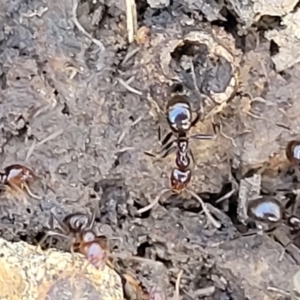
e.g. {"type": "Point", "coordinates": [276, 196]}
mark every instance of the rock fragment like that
{"type": "Point", "coordinates": [28, 273]}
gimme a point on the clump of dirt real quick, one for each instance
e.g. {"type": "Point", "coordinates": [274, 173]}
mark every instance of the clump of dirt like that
{"type": "Point", "coordinates": [80, 106]}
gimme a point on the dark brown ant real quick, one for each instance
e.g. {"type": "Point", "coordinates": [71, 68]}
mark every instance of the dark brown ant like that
{"type": "Point", "coordinates": [77, 228]}
{"type": "Point", "coordinates": [15, 179]}
{"type": "Point", "coordinates": [270, 212]}
{"type": "Point", "coordinates": [180, 119]}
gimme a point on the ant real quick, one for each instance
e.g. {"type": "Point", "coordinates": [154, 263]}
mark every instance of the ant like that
{"type": "Point", "coordinates": [15, 179]}
{"type": "Point", "coordinates": [180, 119]}
{"type": "Point", "coordinates": [77, 228]}
{"type": "Point", "coordinates": [271, 213]}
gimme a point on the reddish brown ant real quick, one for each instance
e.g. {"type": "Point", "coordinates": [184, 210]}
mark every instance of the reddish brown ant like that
{"type": "Point", "coordinates": [15, 179]}
{"type": "Point", "coordinates": [77, 228]}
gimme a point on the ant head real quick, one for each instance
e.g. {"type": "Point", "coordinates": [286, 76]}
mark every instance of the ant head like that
{"type": "Point", "coordinates": [266, 210]}
{"type": "Point", "coordinates": [179, 114]}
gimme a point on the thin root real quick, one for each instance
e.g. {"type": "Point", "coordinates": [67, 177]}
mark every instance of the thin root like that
{"type": "Point", "coordinates": [129, 88]}
{"type": "Point", "coordinates": [45, 140]}
{"type": "Point", "coordinates": [177, 285]}
{"type": "Point", "coordinates": [278, 291]}
{"type": "Point", "coordinates": [213, 221]}
{"type": "Point", "coordinates": [26, 187]}
{"type": "Point", "coordinates": [123, 134]}
{"type": "Point", "coordinates": [80, 28]}
{"type": "Point", "coordinates": [153, 203]}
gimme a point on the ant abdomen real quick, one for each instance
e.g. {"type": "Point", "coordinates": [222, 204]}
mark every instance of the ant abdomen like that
{"type": "Point", "coordinates": [180, 179]}
{"type": "Point", "coordinates": [76, 221]}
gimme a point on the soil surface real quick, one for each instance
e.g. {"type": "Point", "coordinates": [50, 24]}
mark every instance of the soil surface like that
{"type": "Point", "coordinates": [80, 106]}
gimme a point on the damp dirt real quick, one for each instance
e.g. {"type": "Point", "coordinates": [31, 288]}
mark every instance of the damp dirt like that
{"type": "Point", "coordinates": [80, 106]}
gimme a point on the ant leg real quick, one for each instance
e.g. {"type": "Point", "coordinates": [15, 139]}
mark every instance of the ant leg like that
{"type": "Point", "coordinates": [200, 136]}
{"type": "Point", "coordinates": [192, 156]}
{"type": "Point", "coordinates": [91, 221]}
{"type": "Point", "coordinates": [166, 138]}
{"type": "Point", "coordinates": [26, 187]}
{"type": "Point", "coordinates": [17, 192]}
{"type": "Point", "coordinates": [154, 202]}
{"type": "Point", "coordinates": [196, 120]}
{"type": "Point", "coordinates": [52, 233]}
{"type": "Point", "coordinates": [284, 250]}
{"type": "Point", "coordinates": [163, 142]}
{"type": "Point", "coordinates": [255, 232]}
{"type": "Point", "coordinates": [62, 225]}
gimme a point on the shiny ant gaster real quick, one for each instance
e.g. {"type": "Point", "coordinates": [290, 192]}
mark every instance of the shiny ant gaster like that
{"type": "Point", "coordinates": [15, 179]}
{"type": "Point", "coordinates": [77, 228]}
{"type": "Point", "coordinates": [180, 119]}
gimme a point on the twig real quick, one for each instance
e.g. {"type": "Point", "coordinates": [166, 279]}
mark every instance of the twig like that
{"type": "Point", "coordinates": [177, 285]}
{"type": "Point", "coordinates": [125, 131]}
{"type": "Point", "coordinates": [124, 150]}
{"type": "Point", "coordinates": [206, 211]}
{"type": "Point", "coordinates": [80, 28]}
{"type": "Point", "coordinates": [226, 196]}
{"type": "Point", "coordinates": [131, 19]}
{"type": "Point", "coordinates": [129, 88]}
{"type": "Point", "coordinates": [36, 145]}
{"type": "Point", "coordinates": [278, 291]}
{"type": "Point", "coordinates": [208, 291]}
{"type": "Point", "coordinates": [153, 203]}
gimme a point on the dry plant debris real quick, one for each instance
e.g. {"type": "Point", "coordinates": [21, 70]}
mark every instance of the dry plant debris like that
{"type": "Point", "coordinates": [28, 273]}
{"type": "Point", "coordinates": [273, 7]}
{"type": "Point", "coordinates": [288, 40]}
